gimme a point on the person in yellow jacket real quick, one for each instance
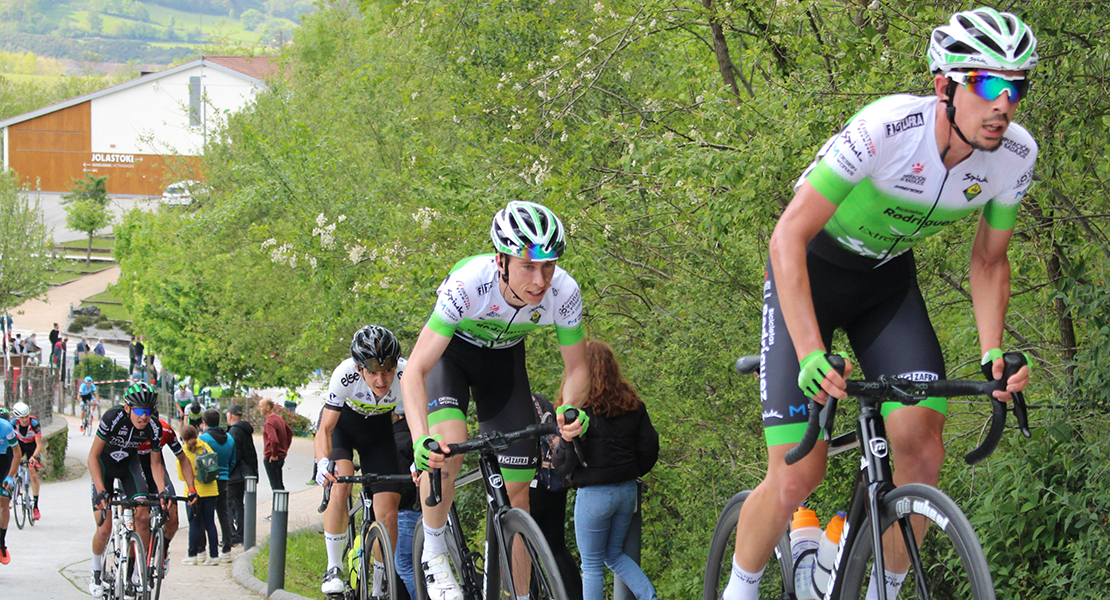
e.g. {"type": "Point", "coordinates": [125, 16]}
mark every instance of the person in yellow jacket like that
{"type": "Point", "coordinates": [203, 515]}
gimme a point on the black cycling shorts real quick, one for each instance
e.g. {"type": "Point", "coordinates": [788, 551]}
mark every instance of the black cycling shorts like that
{"type": "Point", "coordinates": [5, 468]}
{"type": "Point", "coordinates": [498, 381]}
{"type": "Point", "coordinates": [28, 450]}
{"type": "Point", "coordinates": [129, 473]}
{"type": "Point", "coordinates": [372, 437]}
{"type": "Point", "coordinates": [879, 307]}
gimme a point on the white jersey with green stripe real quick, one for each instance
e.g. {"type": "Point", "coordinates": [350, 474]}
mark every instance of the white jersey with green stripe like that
{"type": "Point", "coordinates": [470, 305]}
{"type": "Point", "coordinates": [884, 173]}
{"type": "Point", "coordinates": [348, 387]}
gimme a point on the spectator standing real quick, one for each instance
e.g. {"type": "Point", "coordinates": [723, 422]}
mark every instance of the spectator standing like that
{"type": "Point", "coordinates": [131, 356]}
{"type": "Point", "coordinates": [17, 348]}
{"type": "Point", "coordinates": [224, 446]}
{"type": "Point", "coordinates": [99, 349]}
{"type": "Point", "coordinates": [246, 463]}
{"type": "Point", "coordinates": [55, 335]}
{"type": "Point", "coordinates": [79, 353]}
{"type": "Point", "coordinates": [548, 503]}
{"type": "Point", "coordinates": [203, 516]}
{"type": "Point", "coordinates": [31, 346]}
{"type": "Point", "coordinates": [140, 349]}
{"type": "Point", "coordinates": [276, 437]}
{"type": "Point", "coordinates": [621, 446]}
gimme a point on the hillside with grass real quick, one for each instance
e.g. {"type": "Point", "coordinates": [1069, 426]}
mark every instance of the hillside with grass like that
{"type": "Point", "coordinates": [152, 32]}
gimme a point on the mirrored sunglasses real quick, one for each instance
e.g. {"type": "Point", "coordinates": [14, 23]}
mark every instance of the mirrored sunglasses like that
{"type": "Point", "coordinates": [142, 412]}
{"type": "Point", "coordinates": [989, 86]}
{"type": "Point", "coordinates": [374, 366]}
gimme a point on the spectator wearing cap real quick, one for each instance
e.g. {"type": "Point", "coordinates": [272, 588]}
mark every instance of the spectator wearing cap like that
{"type": "Point", "coordinates": [247, 464]}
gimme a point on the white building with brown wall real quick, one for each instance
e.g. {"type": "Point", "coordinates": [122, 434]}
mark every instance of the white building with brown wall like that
{"type": "Point", "coordinates": [142, 134]}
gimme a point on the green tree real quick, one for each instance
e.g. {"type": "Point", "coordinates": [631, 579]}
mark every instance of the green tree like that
{"type": "Point", "coordinates": [25, 245]}
{"type": "Point", "coordinates": [87, 208]}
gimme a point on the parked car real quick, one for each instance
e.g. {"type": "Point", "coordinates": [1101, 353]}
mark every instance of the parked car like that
{"type": "Point", "coordinates": [181, 192]}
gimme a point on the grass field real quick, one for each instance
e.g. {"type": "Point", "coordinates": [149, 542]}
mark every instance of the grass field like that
{"type": "Point", "coordinates": [215, 27]}
{"type": "Point", "coordinates": [98, 244]}
{"type": "Point", "coordinates": [45, 81]}
{"type": "Point", "coordinates": [305, 562]}
{"type": "Point", "coordinates": [116, 313]}
{"type": "Point", "coordinates": [103, 297]}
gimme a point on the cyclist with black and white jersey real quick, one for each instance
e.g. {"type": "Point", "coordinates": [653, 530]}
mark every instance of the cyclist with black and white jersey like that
{"type": "Point", "coordinates": [357, 415]}
{"type": "Point", "coordinates": [473, 344]}
{"type": "Point", "coordinates": [902, 169]}
{"type": "Point", "coordinates": [29, 434]}
{"type": "Point", "coordinates": [10, 455]}
{"type": "Point", "coordinates": [115, 456]}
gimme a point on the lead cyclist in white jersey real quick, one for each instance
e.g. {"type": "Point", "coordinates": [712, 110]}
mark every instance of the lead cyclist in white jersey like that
{"type": "Point", "coordinates": [364, 390]}
{"type": "Point", "coordinates": [901, 170]}
{"type": "Point", "coordinates": [473, 343]}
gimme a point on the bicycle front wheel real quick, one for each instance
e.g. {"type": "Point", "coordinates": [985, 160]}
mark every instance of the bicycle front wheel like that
{"type": "Point", "coordinates": [134, 574]}
{"type": "Point", "coordinates": [778, 577]}
{"type": "Point", "coordinates": [376, 582]}
{"type": "Point", "coordinates": [952, 561]}
{"type": "Point", "coordinates": [156, 564]}
{"type": "Point", "coordinates": [28, 503]}
{"type": "Point", "coordinates": [18, 503]}
{"type": "Point", "coordinates": [543, 578]}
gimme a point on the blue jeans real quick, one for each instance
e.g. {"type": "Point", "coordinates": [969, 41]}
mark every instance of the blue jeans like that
{"type": "Point", "coordinates": [602, 514]}
{"type": "Point", "coordinates": [406, 525]}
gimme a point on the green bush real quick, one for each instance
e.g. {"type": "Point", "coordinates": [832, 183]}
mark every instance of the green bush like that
{"type": "Point", "coordinates": [101, 318]}
{"type": "Point", "coordinates": [100, 368]}
{"type": "Point", "coordinates": [124, 326]}
{"type": "Point", "coordinates": [55, 463]}
{"type": "Point", "coordinates": [74, 327]}
{"type": "Point", "coordinates": [299, 424]}
{"type": "Point", "coordinates": [83, 320]}
{"type": "Point", "coordinates": [103, 324]}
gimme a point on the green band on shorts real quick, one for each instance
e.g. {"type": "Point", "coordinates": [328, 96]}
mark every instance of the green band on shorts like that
{"type": "Point", "coordinates": [519, 475]}
{"type": "Point", "coordinates": [787, 434]}
{"type": "Point", "coordinates": [938, 404]}
{"type": "Point", "coordinates": [445, 414]}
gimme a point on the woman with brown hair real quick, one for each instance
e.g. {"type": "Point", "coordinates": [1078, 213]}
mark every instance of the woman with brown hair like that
{"type": "Point", "coordinates": [620, 447]}
{"type": "Point", "coordinates": [203, 515]}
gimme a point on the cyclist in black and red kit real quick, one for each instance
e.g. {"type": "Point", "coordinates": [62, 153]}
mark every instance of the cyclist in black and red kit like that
{"type": "Point", "coordinates": [29, 434]}
{"type": "Point", "coordinates": [169, 440]}
{"type": "Point", "coordinates": [115, 456]}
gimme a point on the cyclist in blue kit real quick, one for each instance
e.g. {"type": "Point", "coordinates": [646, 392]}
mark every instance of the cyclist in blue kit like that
{"type": "Point", "coordinates": [902, 169]}
{"type": "Point", "coordinates": [10, 455]}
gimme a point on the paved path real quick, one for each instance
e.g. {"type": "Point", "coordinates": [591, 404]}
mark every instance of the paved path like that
{"type": "Point", "coordinates": [39, 315]}
{"type": "Point", "coordinates": [51, 561]}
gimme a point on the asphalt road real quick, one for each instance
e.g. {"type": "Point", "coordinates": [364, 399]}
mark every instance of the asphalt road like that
{"type": "Point", "coordinates": [54, 214]}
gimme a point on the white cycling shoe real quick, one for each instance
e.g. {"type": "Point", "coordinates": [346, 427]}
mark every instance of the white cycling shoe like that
{"type": "Point", "coordinates": [439, 579]}
{"type": "Point", "coordinates": [333, 582]}
{"type": "Point", "coordinates": [96, 589]}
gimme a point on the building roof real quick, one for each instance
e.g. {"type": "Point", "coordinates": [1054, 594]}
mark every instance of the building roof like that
{"type": "Point", "coordinates": [250, 69]}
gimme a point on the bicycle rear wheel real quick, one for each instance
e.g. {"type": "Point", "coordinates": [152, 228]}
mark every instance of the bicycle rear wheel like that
{"type": "Point", "coordinates": [18, 502]}
{"type": "Point", "coordinates": [952, 561]}
{"type": "Point", "coordinates": [453, 554]}
{"type": "Point", "coordinates": [376, 548]}
{"type": "Point", "coordinates": [156, 564]}
{"type": "Point", "coordinates": [778, 577]}
{"type": "Point", "coordinates": [545, 582]}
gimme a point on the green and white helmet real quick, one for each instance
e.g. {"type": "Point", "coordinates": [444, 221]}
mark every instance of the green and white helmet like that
{"type": "Point", "coordinates": [528, 230]}
{"type": "Point", "coordinates": [983, 39]}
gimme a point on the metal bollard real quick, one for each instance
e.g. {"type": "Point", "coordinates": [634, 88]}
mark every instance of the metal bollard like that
{"type": "Point", "coordinates": [631, 543]}
{"type": "Point", "coordinates": [250, 510]}
{"type": "Point", "coordinates": [279, 529]}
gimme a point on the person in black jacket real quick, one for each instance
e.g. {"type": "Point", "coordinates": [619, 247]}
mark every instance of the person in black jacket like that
{"type": "Point", "coordinates": [247, 464]}
{"type": "Point", "coordinates": [547, 502]}
{"type": "Point", "coordinates": [620, 447]}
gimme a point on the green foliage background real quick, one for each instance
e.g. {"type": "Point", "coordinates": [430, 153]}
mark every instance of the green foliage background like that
{"type": "Point", "coordinates": [348, 189]}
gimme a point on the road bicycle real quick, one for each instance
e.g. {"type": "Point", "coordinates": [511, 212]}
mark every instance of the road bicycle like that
{"type": "Point", "coordinates": [507, 528]}
{"type": "Point", "coordinates": [23, 499]}
{"type": "Point", "coordinates": [948, 562]}
{"type": "Point", "coordinates": [123, 571]}
{"type": "Point", "coordinates": [156, 552]}
{"type": "Point", "coordinates": [87, 419]}
{"type": "Point", "coordinates": [371, 544]}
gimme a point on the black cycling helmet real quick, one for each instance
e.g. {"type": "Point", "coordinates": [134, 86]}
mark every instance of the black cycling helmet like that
{"type": "Point", "coordinates": [140, 395]}
{"type": "Point", "coordinates": [375, 348]}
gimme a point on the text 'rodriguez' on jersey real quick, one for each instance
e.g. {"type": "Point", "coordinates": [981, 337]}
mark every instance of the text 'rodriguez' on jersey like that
{"type": "Point", "coordinates": [885, 174]}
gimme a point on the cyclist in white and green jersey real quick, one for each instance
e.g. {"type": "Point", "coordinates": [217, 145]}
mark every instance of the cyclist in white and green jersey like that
{"type": "Point", "coordinates": [901, 170]}
{"type": "Point", "coordinates": [473, 343]}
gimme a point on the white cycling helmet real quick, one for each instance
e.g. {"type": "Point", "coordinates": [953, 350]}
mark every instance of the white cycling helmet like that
{"type": "Point", "coordinates": [21, 410]}
{"type": "Point", "coordinates": [983, 39]}
{"type": "Point", "coordinates": [528, 230]}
